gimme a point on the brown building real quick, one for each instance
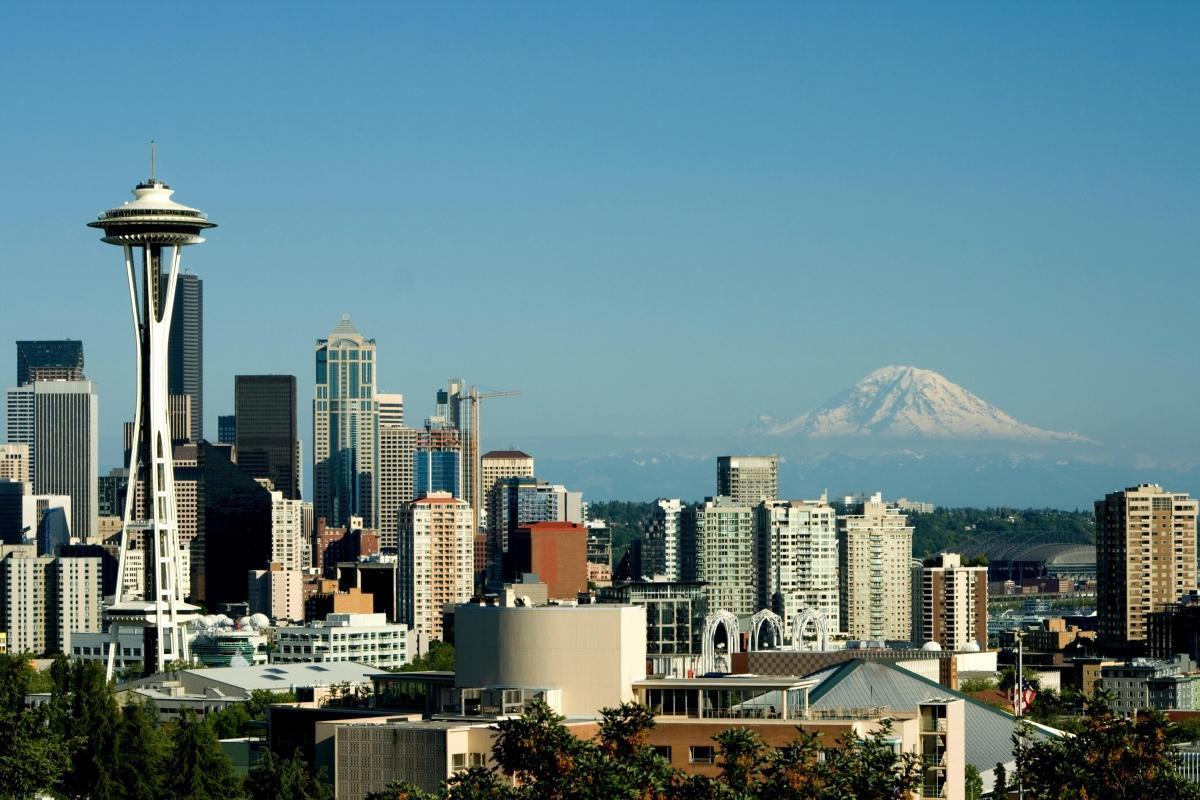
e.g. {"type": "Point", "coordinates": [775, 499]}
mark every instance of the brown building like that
{"type": "Point", "coordinates": [351, 601]}
{"type": "Point", "coordinates": [1055, 636]}
{"type": "Point", "coordinates": [1145, 559]}
{"type": "Point", "coordinates": [341, 544]}
{"type": "Point", "coordinates": [950, 603]}
{"type": "Point", "coordinates": [556, 551]}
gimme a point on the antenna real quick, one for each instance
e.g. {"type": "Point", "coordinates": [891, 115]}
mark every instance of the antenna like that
{"type": "Point", "coordinates": [153, 158]}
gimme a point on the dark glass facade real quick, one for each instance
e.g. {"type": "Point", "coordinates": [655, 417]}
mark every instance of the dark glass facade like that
{"type": "Point", "coordinates": [49, 359]}
{"type": "Point", "coordinates": [266, 436]}
{"type": "Point", "coordinates": [185, 354]}
{"type": "Point", "coordinates": [236, 526]}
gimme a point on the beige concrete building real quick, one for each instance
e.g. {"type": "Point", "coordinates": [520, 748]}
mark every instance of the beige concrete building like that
{"type": "Point", "coordinates": [718, 547]}
{"type": "Point", "coordinates": [1145, 558]}
{"type": "Point", "coordinates": [289, 548]}
{"type": "Point", "coordinates": [748, 479]}
{"type": "Point", "coordinates": [592, 653]}
{"type": "Point", "coordinates": [950, 603]}
{"type": "Point", "coordinates": [278, 592]}
{"type": "Point", "coordinates": [798, 560]}
{"type": "Point", "coordinates": [436, 563]}
{"type": "Point", "coordinates": [397, 449]}
{"type": "Point", "coordinates": [14, 462]}
{"type": "Point", "coordinates": [875, 571]}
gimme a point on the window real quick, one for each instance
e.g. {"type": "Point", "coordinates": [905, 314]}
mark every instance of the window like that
{"type": "Point", "coordinates": [701, 754]}
{"type": "Point", "coordinates": [663, 750]}
{"type": "Point", "coordinates": [458, 761]}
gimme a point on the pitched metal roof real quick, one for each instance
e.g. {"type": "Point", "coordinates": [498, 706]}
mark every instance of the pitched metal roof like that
{"type": "Point", "coordinates": [861, 684]}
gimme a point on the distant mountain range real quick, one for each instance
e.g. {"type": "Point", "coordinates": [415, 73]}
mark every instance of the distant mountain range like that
{"type": "Point", "coordinates": [901, 430]}
{"type": "Point", "coordinates": [904, 403]}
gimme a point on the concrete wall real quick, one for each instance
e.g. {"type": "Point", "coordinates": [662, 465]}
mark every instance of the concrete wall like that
{"type": "Point", "coordinates": [592, 653]}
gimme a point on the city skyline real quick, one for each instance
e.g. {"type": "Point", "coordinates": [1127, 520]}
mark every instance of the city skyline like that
{"type": "Point", "coordinates": [1018, 197]}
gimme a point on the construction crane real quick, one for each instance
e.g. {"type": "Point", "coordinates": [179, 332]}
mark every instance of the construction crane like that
{"type": "Point", "coordinates": [473, 439]}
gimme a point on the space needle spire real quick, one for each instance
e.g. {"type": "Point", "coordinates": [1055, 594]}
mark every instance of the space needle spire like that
{"type": "Point", "coordinates": [148, 228]}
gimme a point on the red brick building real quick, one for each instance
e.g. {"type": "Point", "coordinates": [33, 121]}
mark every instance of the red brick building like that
{"type": "Point", "coordinates": [556, 551]}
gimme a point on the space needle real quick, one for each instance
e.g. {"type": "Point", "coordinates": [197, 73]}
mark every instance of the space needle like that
{"type": "Point", "coordinates": [148, 228]}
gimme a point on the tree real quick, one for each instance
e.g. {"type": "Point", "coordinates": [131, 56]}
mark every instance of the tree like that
{"type": "Point", "coordinates": [538, 751]}
{"type": "Point", "coordinates": [142, 764]}
{"type": "Point", "coordinates": [93, 731]}
{"type": "Point", "coordinates": [439, 658]}
{"type": "Point", "coordinates": [1000, 783]}
{"type": "Point", "coordinates": [198, 770]}
{"type": "Point", "coordinates": [32, 755]}
{"type": "Point", "coordinates": [741, 757]}
{"type": "Point", "coordinates": [973, 784]}
{"type": "Point", "coordinates": [869, 767]}
{"type": "Point", "coordinates": [1110, 757]}
{"type": "Point", "coordinates": [275, 777]}
{"type": "Point", "coordinates": [401, 790]}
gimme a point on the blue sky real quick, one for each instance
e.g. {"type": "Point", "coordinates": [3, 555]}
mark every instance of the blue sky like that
{"type": "Point", "coordinates": [649, 217]}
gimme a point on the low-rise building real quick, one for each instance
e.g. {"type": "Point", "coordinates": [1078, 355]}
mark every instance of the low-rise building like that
{"type": "Point", "coordinates": [365, 638]}
{"type": "Point", "coordinates": [1146, 683]}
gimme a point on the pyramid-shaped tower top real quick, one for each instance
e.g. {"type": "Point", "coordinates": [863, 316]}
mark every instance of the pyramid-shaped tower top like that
{"type": "Point", "coordinates": [346, 327]}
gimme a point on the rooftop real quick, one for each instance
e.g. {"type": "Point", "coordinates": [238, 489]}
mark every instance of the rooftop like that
{"type": "Point", "coordinates": [280, 677]}
{"type": "Point", "coordinates": [498, 454]}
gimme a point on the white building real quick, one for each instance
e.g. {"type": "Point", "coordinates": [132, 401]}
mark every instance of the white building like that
{"type": "Point", "coordinates": [719, 549]}
{"type": "Point", "coordinates": [660, 551]}
{"type": "Point", "coordinates": [436, 560]}
{"type": "Point", "coordinates": [365, 638]}
{"type": "Point", "coordinates": [875, 571]}
{"type": "Point", "coordinates": [798, 560]}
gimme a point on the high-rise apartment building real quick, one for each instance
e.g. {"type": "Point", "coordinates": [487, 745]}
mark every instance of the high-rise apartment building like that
{"type": "Point", "coordinates": [748, 480]}
{"type": "Point", "coordinates": [719, 548]}
{"type": "Point", "coordinates": [43, 599]}
{"type": "Point", "coordinates": [276, 591]}
{"type": "Point", "coordinates": [345, 428]}
{"type": "Point", "coordinates": [798, 560]}
{"type": "Point", "coordinates": [436, 560]}
{"type": "Point", "coordinates": [397, 453]}
{"type": "Point", "coordinates": [59, 422]}
{"type": "Point", "coordinates": [875, 571]}
{"type": "Point", "coordinates": [950, 604]}
{"type": "Point", "coordinates": [185, 356]}
{"type": "Point", "coordinates": [1145, 558]}
{"type": "Point", "coordinates": [289, 547]}
{"type": "Point", "coordinates": [660, 549]}
{"type": "Point", "coordinates": [14, 462]}
{"type": "Point", "coordinates": [49, 360]}
{"type": "Point", "coordinates": [266, 436]}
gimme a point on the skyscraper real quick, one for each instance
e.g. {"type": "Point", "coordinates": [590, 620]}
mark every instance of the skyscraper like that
{"type": "Point", "coordinates": [748, 480]}
{"type": "Point", "coordinates": [397, 451]}
{"type": "Point", "coordinates": [438, 465]}
{"type": "Point", "coordinates": [436, 563]}
{"type": "Point", "coordinates": [49, 360]}
{"type": "Point", "coordinates": [798, 560]}
{"type": "Point", "coordinates": [345, 428]}
{"type": "Point", "coordinates": [1145, 558]}
{"type": "Point", "coordinates": [719, 548]}
{"type": "Point", "coordinates": [59, 421]}
{"type": "Point", "coordinates": [185, 359]}
{"type": "Point", "coordinates": [875, 571]}
{"type": "Point", "coordinates": [494, 466]}
{"type": "Point", "coordinates": [524, 500]}
{"type": "Point", "coordinates": [266, 438]}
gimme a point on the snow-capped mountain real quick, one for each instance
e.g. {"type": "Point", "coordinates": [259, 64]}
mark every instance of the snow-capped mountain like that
{"type": "Point", "coordinates": [907, 402]}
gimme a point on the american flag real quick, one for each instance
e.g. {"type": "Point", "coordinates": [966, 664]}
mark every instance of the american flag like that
{"type": "Point", "coordinates": [1023, 694]}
